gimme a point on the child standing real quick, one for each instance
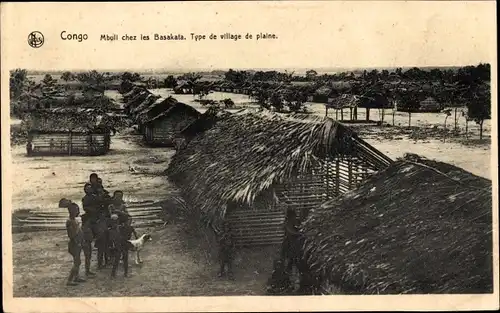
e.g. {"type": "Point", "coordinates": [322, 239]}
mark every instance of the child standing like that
{"type": "Point", "coordinates": [226, 250]}
{"type": "Point", "coordinates": [75, 236]}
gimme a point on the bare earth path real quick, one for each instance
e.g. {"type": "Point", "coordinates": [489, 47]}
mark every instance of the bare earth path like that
{"type": "Point", "coordinates": [170, 268]}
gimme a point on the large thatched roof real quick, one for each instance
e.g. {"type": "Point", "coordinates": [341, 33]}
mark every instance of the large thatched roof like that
{"type": "Point", "coordinates": [204, 122]}
{"type": "Point", "coordinates": [162, 107]}
{"type": "Point", "coordinates": [74, 120]}
{"type": "Point", "coordinates": [246, 152]}
{"type": "Point", "coordinates": [144, 104]}
{"type": "Point", "coordinates": [416, 227]}
{"type": "Point", "coordinates": [137, 98]}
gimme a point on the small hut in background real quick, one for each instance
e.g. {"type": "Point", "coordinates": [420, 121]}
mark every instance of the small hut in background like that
{"type": "Point", "coordinates": [430, 105]}
{"type": "Point", "coordinates": [69, 132]}
{"type": "Point", "coordinates": [164, 120]}
{"type": "Point", "coordinates": [417, 227]}
{"type": "Point", "coordinates": [134, 98]}
{"type": "Point", "coordinates": [184, 87]}
{"type": "Point", "coordinates": [342, 102]}
{"type": "Point", "coordinates": [374, 101]}
{"type": "Point", "coordinates": [249, 168]}
{"type": "Point", "coordinates": [148, 101]}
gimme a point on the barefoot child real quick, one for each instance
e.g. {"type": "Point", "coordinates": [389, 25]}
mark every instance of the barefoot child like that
{"type": "Point", "coordinates": [226, 250]}
{"type": "Point", "coordinates": [75, 236]}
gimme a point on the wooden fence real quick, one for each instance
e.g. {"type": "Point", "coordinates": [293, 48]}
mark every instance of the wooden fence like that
{"type": "Point", "coordinates": [143, 215]}
{"type": "Point", "coordinates": [257, 228]}
{"type": "Point", "coordinates": [68, 144]}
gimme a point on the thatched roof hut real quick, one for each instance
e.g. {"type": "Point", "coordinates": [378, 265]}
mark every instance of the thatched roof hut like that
{"type": "Point", "coordinates": [162, 107]}
{"type": "Point", "coordinates": [164, 120]}
{"type": "Point", "coordinates": [148, 101]}
{"type": "Point", "coordinates": [344, 101]}
{"type": "Point", "coordinates": [263, 163]}
{"type": "Point", "coordinates": [417, 227]}
{"type": "Point", "coordinates": [70, 131]}
{"type": "Point", "coordinates": [204, 122]}
{"type": "Point", "coordinates": [132, 102]}
{"type": "Point", "coordinates": [430, 104]}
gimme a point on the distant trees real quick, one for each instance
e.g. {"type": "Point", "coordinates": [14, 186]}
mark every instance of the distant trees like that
{"type": "Point", "coordinates": [473, 88]}
{"type": "Point", "coordinates": [49, 81]}
{"type": "Point", "coordinates": [135, 77]}
{"type": "Point", "coordinates": [18, 82]}
{"type": "Point", "coordinates": [408, 101]}
{"type": "Point", "coordinates": [311, 75]}
{"type": "Point", "coordinates": [190, 77]}
{"type": "Point", "coordinates": [67, 76]}
{"type": "Point", "coordinates": [237, 77]}
{"type": "Point", "coordinates": [479, 105]}
{"type": "Point", "coordinates": [170, 82]}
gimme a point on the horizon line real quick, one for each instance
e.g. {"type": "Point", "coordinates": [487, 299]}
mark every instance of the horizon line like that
{"type": "Point", "coordinates": [211, 69]}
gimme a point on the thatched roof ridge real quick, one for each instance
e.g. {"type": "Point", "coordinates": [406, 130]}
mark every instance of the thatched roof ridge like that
{"type": "Point", "coordinates": [246, 152]}
{"type": "Point", "coordinates": [163, 107]}
{"type": "Point", "coordinates": [204, 122]}
{"type": "Point", "coordinates": [149, 100]}
{"type": "Point", "coordinates": [135, 90]}
{"type": "Point", "coordinates": [344, 101]}
{"type": "Point", "coordinates": [74, 120]}
{"type": "Point", "coordinates": [417, 227]}
{"type": "Point", "coordinates": [175, 107]}
{"type": "Point", "coordinates": [138, 98]}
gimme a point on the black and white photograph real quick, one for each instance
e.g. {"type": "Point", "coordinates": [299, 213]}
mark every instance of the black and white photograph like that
{"type": "Point", "coordinates": [319, 179]}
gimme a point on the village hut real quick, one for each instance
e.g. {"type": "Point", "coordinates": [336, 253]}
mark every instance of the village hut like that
{"type": "Point", "coordinates": [149, 100]}
{"type": "Point", "coordinates": [251, 166]}
{"type": "Point", "coordinates": [324, 93]}
{"type": "Point", "coordinates": [132, 92]}
{"type": "Point", "coordinates": [374, 101]}
{"type": "Point", "coordinates": [69, 132]}
{"type": "Point", "coordinates": [184, 87]}
{"type": "Point", "coordinates": [132, 102]}
{"type": "Point", "coordinates": [164, 120]}
{"type": "Point", "coordinates": [419, 226]}
{"type": "Point", "coordinates": [344, 101]}
{"type": "Point", "coordinates": [203, 123]}
{"type": "Point", "coordinates": [430, 105]}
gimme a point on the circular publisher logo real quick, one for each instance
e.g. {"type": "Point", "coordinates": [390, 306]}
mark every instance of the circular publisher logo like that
{"type": "Point", "coordinates": [35, 39]}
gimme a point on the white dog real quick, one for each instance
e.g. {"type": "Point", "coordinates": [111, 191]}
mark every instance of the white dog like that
{"type": "Point", "coordinates": [137, 245]}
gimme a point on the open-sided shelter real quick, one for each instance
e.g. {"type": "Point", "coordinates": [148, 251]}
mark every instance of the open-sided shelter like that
{"type": "Point", "coordinates": [250, 167]}
{"type": "Point", "coordinates": [419, 226]}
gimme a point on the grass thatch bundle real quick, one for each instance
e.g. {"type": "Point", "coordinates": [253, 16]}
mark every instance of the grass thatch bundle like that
{"type": "Point", "coordinates": [416, 227]}
{"type": "Point", "coordinates": [245, 153]}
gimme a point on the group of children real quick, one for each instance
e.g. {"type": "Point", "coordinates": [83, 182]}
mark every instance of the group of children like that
{"type": "Point", "coordinates": [105, 221]}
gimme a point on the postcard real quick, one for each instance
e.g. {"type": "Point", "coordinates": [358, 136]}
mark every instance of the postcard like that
{"type": "Point", "coordinates": [230, 156]}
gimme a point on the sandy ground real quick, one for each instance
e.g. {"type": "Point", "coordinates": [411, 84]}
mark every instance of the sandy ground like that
{"type": "Point", "coordinates": [173, 266]}
{"type": "Point", "coordinates": [39, 182]}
